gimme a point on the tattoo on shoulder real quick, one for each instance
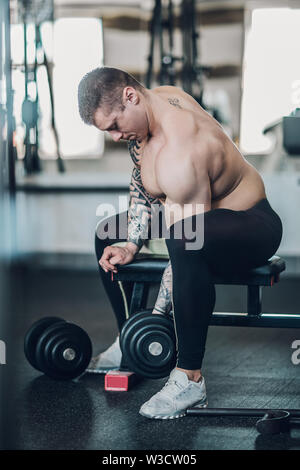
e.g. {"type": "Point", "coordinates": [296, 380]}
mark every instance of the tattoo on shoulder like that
{"type": "Point", "coordinates": [175, 102]}
{"type": "Point", "coordinates": [134, 151]}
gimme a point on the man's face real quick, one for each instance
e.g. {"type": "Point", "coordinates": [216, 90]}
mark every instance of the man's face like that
{"type": "Point", "coordinates": [128, 124]}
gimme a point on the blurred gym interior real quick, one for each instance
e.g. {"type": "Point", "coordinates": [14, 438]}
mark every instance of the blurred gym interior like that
{"type": "Point", "coordinates": [56, 171]}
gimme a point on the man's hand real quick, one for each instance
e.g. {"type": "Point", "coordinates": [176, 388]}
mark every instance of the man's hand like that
{"type": "Point", "coordinates": [113, 255]}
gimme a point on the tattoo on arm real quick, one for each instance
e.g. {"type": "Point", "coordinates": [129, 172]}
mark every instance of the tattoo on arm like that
{"type": "Point", "coordinates": [134, 150]}
{"type": "Point", "coordinates": [139, 218]}
{"type": "Point", "coordinates": [175, 102]}
{"type": "Point", "coordinates": [164, 299]}
{"type": "Point", "coordinates": [139, 211]}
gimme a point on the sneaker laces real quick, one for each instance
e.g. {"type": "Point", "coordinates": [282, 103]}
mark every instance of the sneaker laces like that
{"type": "Point", "coordinates": [171, 388]}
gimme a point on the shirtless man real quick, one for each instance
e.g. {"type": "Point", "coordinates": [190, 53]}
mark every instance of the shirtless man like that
{"type": "Point", "coordinates": [181, 156]}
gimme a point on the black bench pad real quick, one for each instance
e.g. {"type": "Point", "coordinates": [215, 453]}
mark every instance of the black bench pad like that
{"type": "Point", "coordinates": [151, 270]}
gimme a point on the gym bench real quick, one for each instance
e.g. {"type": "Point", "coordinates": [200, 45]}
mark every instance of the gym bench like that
{"type": "Point", "coordinates": [143, 272]}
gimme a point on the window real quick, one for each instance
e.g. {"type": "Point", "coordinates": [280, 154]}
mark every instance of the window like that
{"type": "Point", "coordinates": [271, 78]}
{"type": "Point", "coordinates": [74, 46]}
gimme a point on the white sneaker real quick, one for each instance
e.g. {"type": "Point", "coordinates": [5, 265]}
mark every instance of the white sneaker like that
{"type": "Point", "coordinates": [106, 361]}
{"type": "Point", "coordinates": [178, 394]}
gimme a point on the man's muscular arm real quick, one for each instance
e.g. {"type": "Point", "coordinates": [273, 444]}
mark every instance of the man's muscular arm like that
{"type": "Point", "coordinates": [185, 182]}
{"type": "Point", "coordinates": [139, 211]}
{"type": "Point", "coordinates": [139, 219]}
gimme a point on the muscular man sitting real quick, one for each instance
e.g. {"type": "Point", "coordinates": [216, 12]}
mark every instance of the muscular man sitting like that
{"type": "Point", "coordinates": [182, 158]}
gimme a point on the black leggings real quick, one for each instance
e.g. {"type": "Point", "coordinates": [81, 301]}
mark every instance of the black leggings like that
{"type": "Point", "coordinates": [234, 241]}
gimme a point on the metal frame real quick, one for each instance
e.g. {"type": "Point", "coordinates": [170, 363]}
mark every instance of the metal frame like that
{"type": "Point", "coordinates": [252, 318]}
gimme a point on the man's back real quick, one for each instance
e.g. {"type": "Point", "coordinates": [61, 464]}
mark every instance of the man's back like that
{"type": "Point", "coordinates": [188, 130]}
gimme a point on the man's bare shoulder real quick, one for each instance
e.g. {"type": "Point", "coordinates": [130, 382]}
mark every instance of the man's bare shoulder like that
{"type": "Point", "coordinates": [186, 154]}
{"type": "Point", "coordinates": [166, 89]}
{"type": "Point", "coordinates": [176, 97]}
{"type": "Point", "coordinates": [179, 126]}
{"type": "Point", "coordinates": [183, 131]}
{"type": "Point", "coordinates": [174, 93]}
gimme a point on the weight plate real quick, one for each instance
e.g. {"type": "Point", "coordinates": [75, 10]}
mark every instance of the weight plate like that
{"type": "Point", "coordinates": [148, 343]}
{"type": "Point", "coordinates": [274, 422]}
{"type": "Point", "coordinates": [63, 351]}
{"type": "Point", "coordinates": [32, 336]}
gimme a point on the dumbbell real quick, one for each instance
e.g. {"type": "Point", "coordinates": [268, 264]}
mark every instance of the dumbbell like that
{"type": "Point", "coordinates": [148, 344]}
{"type": "Point", "coordinates": [59, 349]}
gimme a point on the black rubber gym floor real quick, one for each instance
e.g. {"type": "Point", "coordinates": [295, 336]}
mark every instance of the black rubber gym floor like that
{"type": "Point", "coordinates": [243, 367]}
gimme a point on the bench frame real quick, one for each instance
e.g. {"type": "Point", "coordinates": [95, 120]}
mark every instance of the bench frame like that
{"type": "Point", "coordinates": [263, 276]}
